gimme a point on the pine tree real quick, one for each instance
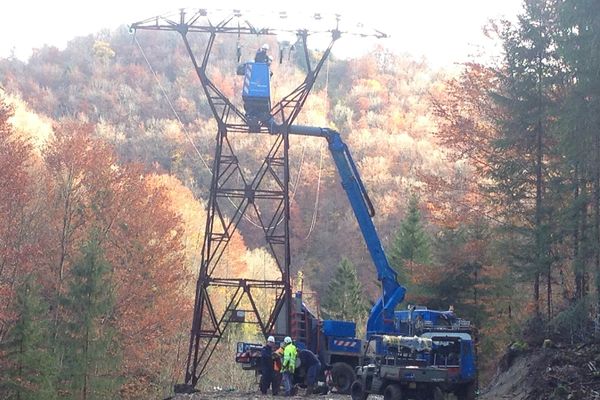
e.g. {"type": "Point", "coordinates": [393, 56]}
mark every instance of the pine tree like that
{"type": "Point", "coordinates": [523, 157]}
{"type": "Point", "coordinates": [29, 368]}
{"type": "Point", "coordinates": [460, 259]}
{"type": "Point", "coordinates": [90, 355]}
{"type": "Point", "coordinates": [579, 24]}
{"type": "Point", "coordinates": [345, 299]}
{"type": "Point", "coordinates": [411, 245]}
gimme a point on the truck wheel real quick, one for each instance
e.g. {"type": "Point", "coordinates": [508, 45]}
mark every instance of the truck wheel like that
{"type": "Point", "coordinates": [342, 375]}
{"type": "Point", "coordinates": [392, 392]}
{"type": "Point", "coordinates": [357, 391]}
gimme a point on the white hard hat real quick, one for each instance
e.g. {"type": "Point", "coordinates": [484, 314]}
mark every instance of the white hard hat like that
{"type": "Point", "coordinates": [287, 340]}
{"type": "Point", "coordinates": [271, 339]}
{"type": "Point", "coordinates": [265, 46]}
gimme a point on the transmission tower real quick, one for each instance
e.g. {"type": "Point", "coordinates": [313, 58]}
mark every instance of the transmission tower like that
{"type": "Point", "coordinates": [262, 198]}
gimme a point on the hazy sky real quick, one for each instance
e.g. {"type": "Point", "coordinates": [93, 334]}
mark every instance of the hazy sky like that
{"type": "Point", "coordinates": [442, 31]}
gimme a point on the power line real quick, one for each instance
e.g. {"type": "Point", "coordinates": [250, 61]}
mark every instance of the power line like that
{"type": "Point", "coordinates": [189, 137]}
{"type": "Point", "coordinates": [162, 89]}
{"type": "Point", "coordinates": [300, 164]}
{"type": "Point", "coordinates": [313, 221]}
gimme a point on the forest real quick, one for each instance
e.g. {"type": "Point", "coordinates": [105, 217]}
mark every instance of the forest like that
{"type": "Point", "coordinates": [486, 185]}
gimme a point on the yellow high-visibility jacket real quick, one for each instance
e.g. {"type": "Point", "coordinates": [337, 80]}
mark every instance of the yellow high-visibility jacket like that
{"type": "Point", "coordinates": [289, 358]}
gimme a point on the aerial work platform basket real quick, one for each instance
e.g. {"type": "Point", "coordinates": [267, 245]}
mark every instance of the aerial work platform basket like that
{"type": "Point", "coordinates": [256, 93]}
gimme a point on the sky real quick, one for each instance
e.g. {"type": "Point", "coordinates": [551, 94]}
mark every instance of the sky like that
{"type": "Point", "coordinates": [441, 31]}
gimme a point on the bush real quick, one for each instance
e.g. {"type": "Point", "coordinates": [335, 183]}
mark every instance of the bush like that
{"type": "Point", "coordinates": [572, 325]}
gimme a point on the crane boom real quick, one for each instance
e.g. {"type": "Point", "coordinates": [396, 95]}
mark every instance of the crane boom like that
{"type": "Point", "coordinates": [381, 318]}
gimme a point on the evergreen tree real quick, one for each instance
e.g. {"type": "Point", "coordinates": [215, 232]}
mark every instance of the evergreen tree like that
{"type": "Point", "coordinates": [411, 245]}
{"type": "Point", "coordinates": [579, 41]}
{"type": "Point", "coordinates": [90, 354]}
{"type": "Point", "coordinates": [345, 299]}
{"type": "Point", "coordinates": [460, 271]}
{"type": "Point", "coordinates": [29, 368]}
{"type": "Point", "coordinates": [523, 159]}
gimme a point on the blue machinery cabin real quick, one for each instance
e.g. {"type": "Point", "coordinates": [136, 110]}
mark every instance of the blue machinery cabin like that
{"type": "Point", "coordinates": [256, 93]}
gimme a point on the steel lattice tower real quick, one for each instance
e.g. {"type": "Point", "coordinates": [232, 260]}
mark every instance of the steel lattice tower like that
{"type": "Point", "coordinates": [230, 186]}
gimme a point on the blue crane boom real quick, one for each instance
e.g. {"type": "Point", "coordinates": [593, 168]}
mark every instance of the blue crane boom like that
{"type": "Point", "coordinates": [448, 337]}
{"type": "Point", "coordinates": [381, 318]}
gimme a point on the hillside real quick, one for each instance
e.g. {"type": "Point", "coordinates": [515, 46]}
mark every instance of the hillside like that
{"type": "Point", "coordinates": [557, 372]}
{"type": "Point", "coordinates": [380, 104]}
{"type": "Point", "coordinates": [98, 104]}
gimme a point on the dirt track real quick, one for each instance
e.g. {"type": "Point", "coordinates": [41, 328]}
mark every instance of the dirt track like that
{"type": "Point", "coordinates": [560, 372]}
{"type": "Point", "coordinates": [255, 396]}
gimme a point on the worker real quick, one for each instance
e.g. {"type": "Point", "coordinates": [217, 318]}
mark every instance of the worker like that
{"type": "Point", "coordinates": [311, 364]}
{"type": "Point", "coordinates": [262, 55]}
{"type": "Point", "coordinates": [288, 366]}
{"type": "Point", "coordinates": [266, 365]}
{"type": "Point", "coordinates": [277, 362]}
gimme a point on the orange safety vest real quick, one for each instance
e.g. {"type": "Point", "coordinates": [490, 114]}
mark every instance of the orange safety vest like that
{"type": "Point", "coordinates": [277, 356]}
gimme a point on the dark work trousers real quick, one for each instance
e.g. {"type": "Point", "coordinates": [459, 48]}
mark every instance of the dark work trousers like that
{"type": "Point", "coordinates": [276, 382]}
{"type": "Point", "coordinates": [266, 369]}
{"type": "Point", "coordinates": [266, 379]}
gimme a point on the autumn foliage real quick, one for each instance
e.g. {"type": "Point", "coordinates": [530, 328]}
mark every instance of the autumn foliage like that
{"type": "Point", "coordinates": [102, 154]}
{"type": "Point", "coordinates": [16, 246]}
{"type": "Point", "coordinates": [48, 210]}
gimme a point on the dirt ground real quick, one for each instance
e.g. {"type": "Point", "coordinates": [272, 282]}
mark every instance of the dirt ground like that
{"type": "Point", "coordinates": [555, 373]}
{"type": "Point", "coordinates": [512, 383]}
{"type": "Point", "coordinates": [256, 396]}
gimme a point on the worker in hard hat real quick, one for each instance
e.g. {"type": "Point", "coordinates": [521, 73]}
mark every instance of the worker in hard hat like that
{"type": "Point", "coordinates": [288, 366]}
{"type": "Point", "coordinates": [277, 363]}
{"type": "Point", "coordinates": [266, 365]}
{"type": "Point", "coordinates": [262, 55]}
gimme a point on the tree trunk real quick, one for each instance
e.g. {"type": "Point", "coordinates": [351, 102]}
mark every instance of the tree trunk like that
{"type": "Point", "coordinates": [596, 203]}
{"type": "Point", "coordinates": [578, 267]}
{"type": "Point", "coordinates": [539, 184]}
{"type": "Point", "coordinates": [549, 292]}
{"type": "Point", "coordinates": [64, 238]}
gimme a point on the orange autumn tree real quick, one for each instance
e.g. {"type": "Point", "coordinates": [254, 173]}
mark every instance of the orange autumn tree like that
{"type": "Point", "coordinates": [147, 251]}
{"type": "Point", "coordinates": [465, 128]}
{"type": "Point", "coordinates": [461, 203]}
{"type": "Point", "coordinates": [72, 166]}
{"type": "Point", "coordinates": [17, 246]}
{"type": "Point", "coordinates": [140, 236]}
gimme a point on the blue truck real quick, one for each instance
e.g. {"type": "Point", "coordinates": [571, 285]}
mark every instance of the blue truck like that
{"type": "Point", "coordinates": [334, 342]}
{"type": "Point", "coordinates": [431, 354]}
{"type": "Point", "coordinates": [414, 353]}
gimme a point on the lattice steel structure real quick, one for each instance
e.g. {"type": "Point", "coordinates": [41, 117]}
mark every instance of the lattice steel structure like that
{"type": "Point", "coordinates": [230, 186]}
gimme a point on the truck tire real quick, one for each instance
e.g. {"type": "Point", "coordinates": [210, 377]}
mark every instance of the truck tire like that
{"type": "Point", "coordinates": [342, 375]}
{"type": "Point", "coordinates": [392, 392]}
{"type": "Point", "coordinates": [357, 391]}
